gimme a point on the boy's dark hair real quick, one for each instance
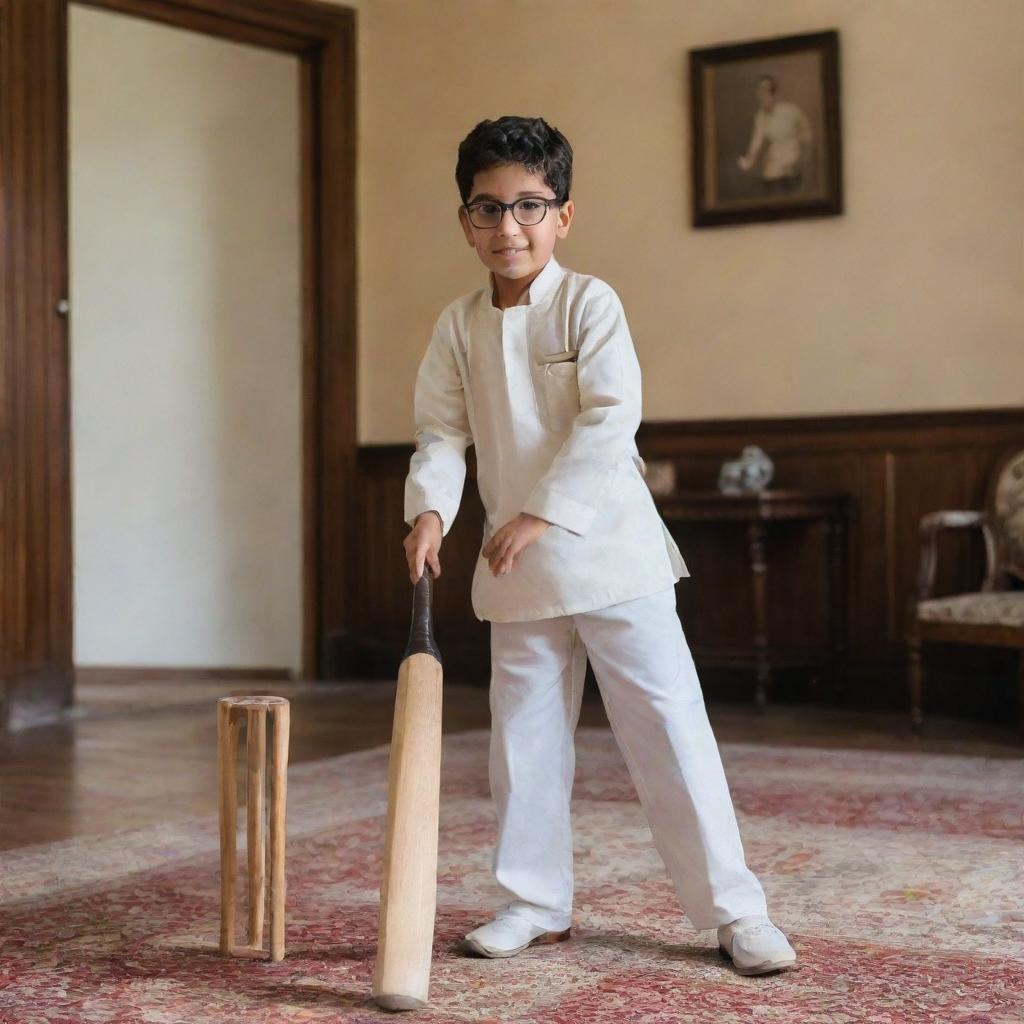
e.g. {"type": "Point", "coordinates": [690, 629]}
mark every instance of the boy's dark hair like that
{"type": "Point", "coordinates": [529, 141]}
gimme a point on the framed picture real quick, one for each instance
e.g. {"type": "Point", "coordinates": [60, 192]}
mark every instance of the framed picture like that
{"type": "Point", "coordinates": [765, 130]}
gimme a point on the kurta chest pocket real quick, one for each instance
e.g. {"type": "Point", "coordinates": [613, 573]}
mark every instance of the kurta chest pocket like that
{"type": "Point", "coordinates": [560, 392]}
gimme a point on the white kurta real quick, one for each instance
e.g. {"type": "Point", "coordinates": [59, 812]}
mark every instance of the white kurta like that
{"type": "Point", "coordinates": [549, 392]}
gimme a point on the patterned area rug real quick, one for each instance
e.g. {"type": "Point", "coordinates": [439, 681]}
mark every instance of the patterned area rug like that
{"type": "Point", "coordinates": [898, 878]}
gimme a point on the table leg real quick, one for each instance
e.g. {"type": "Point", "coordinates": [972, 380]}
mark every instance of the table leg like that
{"type": "Point", "coordinates": [758, 575]}
{"type": "Point", "coordinates": [838, 622]}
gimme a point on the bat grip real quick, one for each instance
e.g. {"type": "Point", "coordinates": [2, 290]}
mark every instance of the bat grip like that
{"type": "Point", "coordinates": [421, 634]}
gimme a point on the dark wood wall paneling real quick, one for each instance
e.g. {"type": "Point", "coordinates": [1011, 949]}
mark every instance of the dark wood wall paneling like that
{"type": "Point", "coordinates": [36, 672]}
{"type": "Point", "coordinates": [896, 467]}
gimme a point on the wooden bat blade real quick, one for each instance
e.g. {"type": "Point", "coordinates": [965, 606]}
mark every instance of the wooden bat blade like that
{"type": "Point", "coordinates": [408, 893]}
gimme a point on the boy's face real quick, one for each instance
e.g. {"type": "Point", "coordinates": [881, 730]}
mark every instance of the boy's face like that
{"type": "Point", "coordinates": [512, 250]}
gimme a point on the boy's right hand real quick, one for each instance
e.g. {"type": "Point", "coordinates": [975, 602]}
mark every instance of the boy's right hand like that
{"type": "Point", "coordinates": [423, 544]}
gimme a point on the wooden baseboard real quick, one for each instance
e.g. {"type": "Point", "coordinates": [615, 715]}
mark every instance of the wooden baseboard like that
{"type": "Point", "coordinates": [128, 674]}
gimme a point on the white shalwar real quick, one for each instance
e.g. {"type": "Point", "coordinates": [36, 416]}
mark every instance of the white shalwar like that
{"type": "Point", "coordinates": [549, 392]}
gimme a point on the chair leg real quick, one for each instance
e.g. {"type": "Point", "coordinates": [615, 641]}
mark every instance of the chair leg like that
{"type": "Point", "coordinates": [1020, 690]}
{"type": "Point", "coordinates": [915, 678]}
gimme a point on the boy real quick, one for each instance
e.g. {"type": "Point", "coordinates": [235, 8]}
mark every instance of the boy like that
{"type": "Point", "coordinates": [538, 370]}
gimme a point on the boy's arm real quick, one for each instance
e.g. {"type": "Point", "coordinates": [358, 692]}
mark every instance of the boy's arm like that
{"type": "Point", "coordinates": [437, 470]}
{"type": "Point", "coordinates": [571, 491]}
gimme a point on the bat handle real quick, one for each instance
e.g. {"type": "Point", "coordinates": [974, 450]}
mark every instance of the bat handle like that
{"type": "Point", "coordinates": [421, 634]}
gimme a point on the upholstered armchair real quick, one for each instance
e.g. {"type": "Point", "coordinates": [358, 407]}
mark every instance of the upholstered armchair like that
{"type": "Point", "coordinates": [993, 616]}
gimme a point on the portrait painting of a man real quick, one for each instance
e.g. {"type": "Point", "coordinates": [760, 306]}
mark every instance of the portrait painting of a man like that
{"type": "Point", "coordinates": [766, 132]}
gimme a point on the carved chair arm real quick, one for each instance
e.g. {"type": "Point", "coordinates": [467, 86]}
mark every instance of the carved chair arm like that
{"type": "Point", "coordinates": [932, 523]}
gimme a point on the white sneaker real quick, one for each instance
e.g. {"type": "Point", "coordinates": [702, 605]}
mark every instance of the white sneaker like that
{"type": "Point", "coordinates": [755, 945]}
{"type": "Point", "coordinates": [510, 934]}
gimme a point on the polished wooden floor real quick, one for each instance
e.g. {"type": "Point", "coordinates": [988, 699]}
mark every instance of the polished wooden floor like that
{"type": "Point", "coordinates": [133, 754]}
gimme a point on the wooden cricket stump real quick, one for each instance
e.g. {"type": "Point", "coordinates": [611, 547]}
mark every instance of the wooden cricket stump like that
{"type": "Point", "coordinates": [253, 712]}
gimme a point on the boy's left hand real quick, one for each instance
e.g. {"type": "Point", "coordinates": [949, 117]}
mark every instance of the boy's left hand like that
{"type": "Point", "coordinates": [504, 548]}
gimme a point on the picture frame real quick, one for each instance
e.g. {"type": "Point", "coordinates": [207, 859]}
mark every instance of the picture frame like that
{"type": "Point", "coordinates": [766, 141]}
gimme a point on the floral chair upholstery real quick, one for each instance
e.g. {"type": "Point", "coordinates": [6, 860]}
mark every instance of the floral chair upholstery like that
{"type": "Point", "coordinates": [993, 616]}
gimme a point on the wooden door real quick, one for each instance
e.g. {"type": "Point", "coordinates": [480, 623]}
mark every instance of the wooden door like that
{"type": "Point", "coordinates": [36, 671]}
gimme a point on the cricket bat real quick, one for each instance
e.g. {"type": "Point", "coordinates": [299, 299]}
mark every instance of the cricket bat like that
{"type": "Point", "coordinates": [408, 892]}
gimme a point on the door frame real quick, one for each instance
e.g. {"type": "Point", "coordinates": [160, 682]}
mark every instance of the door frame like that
{"type": "Point", "coordinates": [35, 489]}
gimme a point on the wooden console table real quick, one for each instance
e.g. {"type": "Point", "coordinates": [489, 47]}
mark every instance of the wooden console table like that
{"type": "Point", "coordinates": [758, 512]}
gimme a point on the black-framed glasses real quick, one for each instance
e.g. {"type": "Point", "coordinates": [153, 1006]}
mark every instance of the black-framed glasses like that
{"type": "Point", "coordinates": [487, 213]}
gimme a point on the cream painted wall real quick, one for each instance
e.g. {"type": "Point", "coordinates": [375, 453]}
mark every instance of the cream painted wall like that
{"type": "Point", "coordinates": [185, 347]}
{"type": "Point", "coordinates": [910, 300]}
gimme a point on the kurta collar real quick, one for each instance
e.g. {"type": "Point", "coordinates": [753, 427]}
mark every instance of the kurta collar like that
{"type": "Point", "coordinates": [541, 286]}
